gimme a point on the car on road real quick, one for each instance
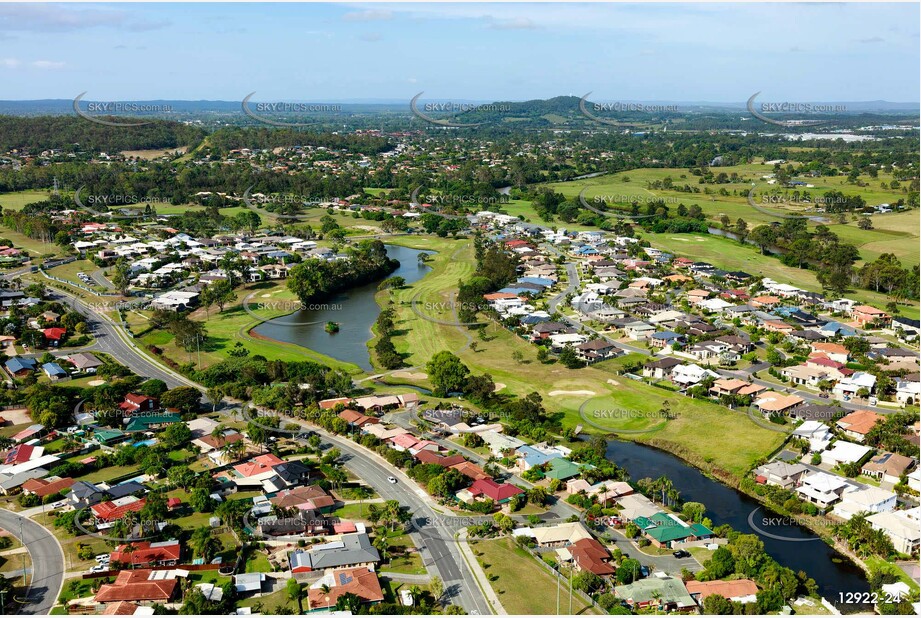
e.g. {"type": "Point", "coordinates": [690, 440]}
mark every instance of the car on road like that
{"type": "Point", "coordinates": [391, 480]}
{"type": "Point", "coordinates": [681, 553]}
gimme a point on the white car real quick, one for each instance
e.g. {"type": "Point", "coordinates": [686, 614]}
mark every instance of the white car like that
{"type": "Point", "coordinates": [392, 480]}
{"type": "Point", "coordinates": [102, 558]}
{"type": "Point", "coordinates": [99, 568]}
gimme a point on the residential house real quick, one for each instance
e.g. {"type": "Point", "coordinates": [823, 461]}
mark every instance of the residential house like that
{"type": "Point", "coordinates": [596, 350]}
{"type": "Point", "coordinates": [589, 555]}
{"type": "Point", "coordinates": [888, 467]}
{"type": "Point", "coordinates": [147, 554]}
{"type": "Point", "coordinates": [821, 489]}
{"type": "Point", "coordinates": [350, 551]}
{"type": "Point", "coordinates": [864, 500]}
{"type": "Point", "coordinates": [661, 594]}
{"type": "Point", "coordinates": [866, 315]}
{"type": "Point", "coordinates": [771, 402]}
{"type": "Point", "coordinates": [361, 582]}
{"type": "Point", "coordinates": [857, 425]}
{"type": "Point", "coordinates": [689, 375]}
{"type": "Point", "coordinates": [85, 362]}
{"type": "Point", "coordinates": [139, 586]}
{"type": "Point", "coordinates": [902, 527]}
{"type": "Point", "coordinates": [660, 369]}
{"type": "Point", "coordinates": [483, 489]}
{"type": "Point", "coordinates": [844, 452]}
{"type": "Point", "coordinates": [736, 590]}
{"type": "Point", "coordinates": [781, 474]}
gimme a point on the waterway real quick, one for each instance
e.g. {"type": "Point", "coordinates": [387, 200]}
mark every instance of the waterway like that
{"type": "Point", "coordinates": [801, 550]}
{"type": "Point", "coordinates": [354, 310]}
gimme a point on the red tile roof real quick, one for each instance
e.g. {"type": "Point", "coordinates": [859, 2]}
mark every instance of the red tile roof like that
{"type": "Point", "coordinates": [44, 487]}
{"type": "Point", "coordinates": [144, 554]}
{"type": "Point", "coordinates": [590, 555]}
{"type": "Point", "coordinates": [109, 511]}
{"type": "Point", "coordinates": [359, 581]}
{"type": "Point", "coordinates": [54, 333]}
{"type": "Point", "coordinates": [491, 489]}
{"type": "Point", "coordinates": [134, 585]}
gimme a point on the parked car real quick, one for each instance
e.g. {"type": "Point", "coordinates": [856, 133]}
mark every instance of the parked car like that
{"type": "Point", "coordinates": [100, 568]}
{"type": "Point", "coordinates": [681, 553]}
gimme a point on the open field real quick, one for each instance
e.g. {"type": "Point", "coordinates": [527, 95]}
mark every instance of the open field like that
{"type": "Point", "coordinates": [16, 201]}
{"type": "Point", "coordinates": [895, 233]}
{"type": "Point", "coordinates": [523, 586]}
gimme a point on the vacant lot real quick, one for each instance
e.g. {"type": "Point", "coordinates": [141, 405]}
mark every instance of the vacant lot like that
{"type": "Point", "coordinates": [523, 586]}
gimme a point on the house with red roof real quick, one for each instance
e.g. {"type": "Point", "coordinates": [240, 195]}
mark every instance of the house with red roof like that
{"type": "Point", "coordinates": [590, 555]}
{"type": "Point", "coordinates": [113, 510]}
{"type": "Point", "coordinates": [360, 581]}
{"type": "Point", "coordinates": [483, 489]}
{"type": "Point", "coordinates": [139, 586]}
{"type": "Point", "coordinates": [865, 314]}
{"type": "Point", "coordinates": [470, 470]}
{"type": "Point", "coordinates": [22, 453]}
{"type": "Point", "coordinates": [54, 335]}
{"type": "Point", "coordinates": [46, 487]}
{"type": "Point", "coordinates": [138, 403]}
{"type": "Point", "coordinates": [145, 554]}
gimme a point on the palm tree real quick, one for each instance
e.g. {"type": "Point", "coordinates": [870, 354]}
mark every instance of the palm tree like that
{"type": "Point", "coordinates": [416, 593]}
{"type": "Point", "coordinates": [362, 493]}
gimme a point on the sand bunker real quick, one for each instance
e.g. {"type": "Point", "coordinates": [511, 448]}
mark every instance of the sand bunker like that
{"type": "Point", "coordinates": [614, 382]}
{"type": "Point", "coordinates": [408, 375]}
{"type": "Point", "coordinates": [96, 382]}
{"type": "Point", "coordinates": [499, 387]}
{"type": "Point", "coordinates": [560, 393]}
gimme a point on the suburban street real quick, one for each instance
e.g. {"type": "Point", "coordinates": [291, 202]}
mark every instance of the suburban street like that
{"type": "Point", "coordinates": [47, 562]}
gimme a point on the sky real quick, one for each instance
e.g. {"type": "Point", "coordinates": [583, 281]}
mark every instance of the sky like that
{"type": "Point", "coordinates": [461, 51]}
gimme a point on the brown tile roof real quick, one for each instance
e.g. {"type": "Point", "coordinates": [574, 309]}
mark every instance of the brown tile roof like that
{"type": "Point", "coordinates": [122, 608]}
{"type": "Point", "coordinates": [590, 555]}
{"type": "Point", "coordinates": [44, 487]}
{"type": "Point", "coordinates": [728, 589]}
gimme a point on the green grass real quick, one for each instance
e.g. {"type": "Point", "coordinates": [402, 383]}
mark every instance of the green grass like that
{"type": "Point", "coordinates": [884, 566]}
{"type": "Point", "coordinates": [16, 201]}
{"type": "Point", "coordinates": [76, 588]}
{"type": "Point", "coordinates": [893, 233]}
{"type": "Point", "coordinates": [523, 586]}
{"type": "Point", "coordinates": [105, 474]}
{"type": "Point", "coordinates": [404, 557]}
{"type": "Point", "coordinates": [226, 328]}
{"type": "Point", "coordinates": [258, 563]}
{"type": "Point", "coordinates": [270, 601]}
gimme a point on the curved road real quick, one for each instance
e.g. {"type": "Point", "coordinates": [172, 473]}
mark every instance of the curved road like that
{"type": "Point", "coordinates": [47, 562]}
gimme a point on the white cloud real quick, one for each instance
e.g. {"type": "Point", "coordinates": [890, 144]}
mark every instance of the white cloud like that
{"type": "Point", "coordinates": [369, 15]}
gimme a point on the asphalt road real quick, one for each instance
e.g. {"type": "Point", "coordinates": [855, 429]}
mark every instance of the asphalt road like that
{"type": "Point", "coordinates": [440, 555]}
{"type": "Point", "coordinates": [47, 562]}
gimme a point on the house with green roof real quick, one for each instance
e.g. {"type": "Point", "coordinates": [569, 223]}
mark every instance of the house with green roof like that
{"type": "Point", "coordinates": [146, 422]}
{"type": "Point", "coordinates": [663, 529]}
{"type": "Point", "coordinates": [661, 593]}
{"type": "Point", "coordinates": [107, 435]}
{"type": "Point", "coordinates": [563, 469]}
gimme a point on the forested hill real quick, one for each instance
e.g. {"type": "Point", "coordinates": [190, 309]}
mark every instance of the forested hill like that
{"type": "Point", "coordinates": [74, 134]}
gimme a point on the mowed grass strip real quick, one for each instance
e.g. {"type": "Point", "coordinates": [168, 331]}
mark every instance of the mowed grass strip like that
{"type": "Point", "coordinates": [522, 585]}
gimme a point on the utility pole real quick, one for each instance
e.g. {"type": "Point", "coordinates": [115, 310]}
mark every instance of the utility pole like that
{"type": "Point", "coordinates": [22, 539]}
{"type": "Point", "coordinates": [558, 584]}
{"type": "Point", "coordinates": [572, 570]}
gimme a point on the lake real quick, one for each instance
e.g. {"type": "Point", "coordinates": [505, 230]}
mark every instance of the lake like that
{"type": "Point", "coordinates": [354, 310]}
